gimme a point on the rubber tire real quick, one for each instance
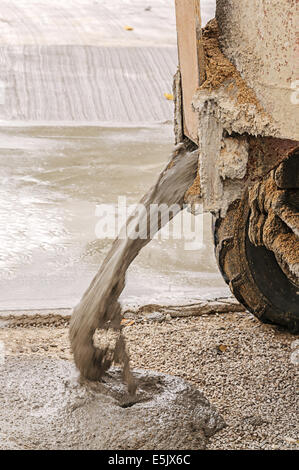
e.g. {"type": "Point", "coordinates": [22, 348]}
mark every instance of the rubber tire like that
{"type": "Point", "coordinates": [252, 273]}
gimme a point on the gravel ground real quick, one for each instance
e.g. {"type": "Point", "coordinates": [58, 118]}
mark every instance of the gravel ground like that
{"type": "Point", "coordinates": [242, 367]}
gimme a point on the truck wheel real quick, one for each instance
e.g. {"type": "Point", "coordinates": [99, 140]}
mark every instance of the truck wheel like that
{"type": "Point", "coordinates": [252, 272]}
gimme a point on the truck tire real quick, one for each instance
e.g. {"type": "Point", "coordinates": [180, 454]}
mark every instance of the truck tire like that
{"type": "Point", "coordinates": [252, 273]}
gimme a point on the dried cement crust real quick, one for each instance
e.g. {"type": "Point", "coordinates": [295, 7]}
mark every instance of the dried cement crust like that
{"type": "Point", "coordinates": [225, 106]}
{"type": "Point", "coordinates": [219, 69]}
{"type": "Point", "coordinates": [235, 105]}
{"type": "Point", "coordinates": [275, 224]}
{"type": "Point", "coordinates": [261, 39]}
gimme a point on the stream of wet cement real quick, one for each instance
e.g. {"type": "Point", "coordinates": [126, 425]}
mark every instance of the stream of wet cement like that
{"type": "Point", "coordinates": [99, 309]}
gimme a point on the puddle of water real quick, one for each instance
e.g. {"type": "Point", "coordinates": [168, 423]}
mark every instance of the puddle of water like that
{"type": "Point", "coordinates": [53, 179]}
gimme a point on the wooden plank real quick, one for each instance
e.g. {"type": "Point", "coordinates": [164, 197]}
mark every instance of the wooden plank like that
{"type": "Point", "coordinates": [191, 59]}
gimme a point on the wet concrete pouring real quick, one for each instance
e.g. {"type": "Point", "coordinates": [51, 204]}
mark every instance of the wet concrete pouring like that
{"type": "Point", "coordinates": [164, 403]}
{"type": "Point", "coordinates": [204, 373]}
{"type": "Point", "coordinates": [99, 308]}
{"type": "Point", "coordinates": [41, 387]}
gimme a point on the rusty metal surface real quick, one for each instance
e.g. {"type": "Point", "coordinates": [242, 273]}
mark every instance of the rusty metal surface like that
{"type": "Point", "coordinates": [265, 153]}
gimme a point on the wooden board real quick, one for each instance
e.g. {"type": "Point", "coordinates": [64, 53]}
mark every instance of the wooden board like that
{"type": "Point", "coordinates": [191, 59]}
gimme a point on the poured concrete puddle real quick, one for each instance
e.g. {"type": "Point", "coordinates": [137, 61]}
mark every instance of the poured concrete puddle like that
{"type": "Point", "coordinates": [43, 406]}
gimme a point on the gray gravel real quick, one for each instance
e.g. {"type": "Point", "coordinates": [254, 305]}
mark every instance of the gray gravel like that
{"type": "Point", "coordinates": [242, 367]}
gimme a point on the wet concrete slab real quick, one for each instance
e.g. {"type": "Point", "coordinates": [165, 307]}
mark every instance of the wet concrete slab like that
{"type": "Point", "coordinates": [86, 84]}
{"type": "Point", "coordinates": [92, 22]}
{"type": "Point", "coordinates": [45, 406]}
{"type": "Point", "coordinates": [81, 111]}
{"type": "Point", "coordinates": [53, 181]}
{"type": "Point", "coordinates": [77, 61]}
